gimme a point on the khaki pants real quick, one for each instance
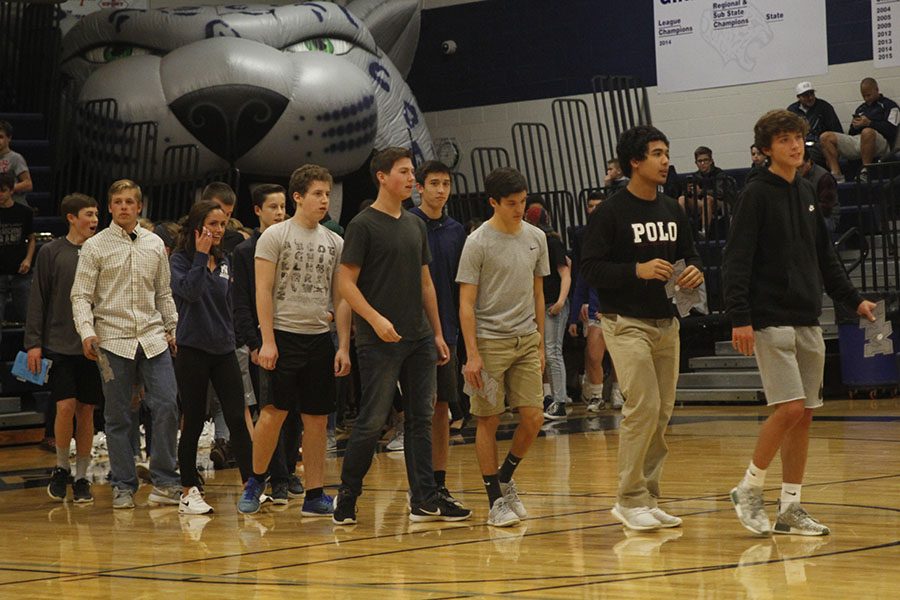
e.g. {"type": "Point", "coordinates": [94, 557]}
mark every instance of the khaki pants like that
{"type": "Point", "coordinates": [645, 352]}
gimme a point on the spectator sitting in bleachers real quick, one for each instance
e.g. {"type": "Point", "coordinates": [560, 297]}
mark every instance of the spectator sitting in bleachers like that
{"type": "Point", "coordinates": [615, 178]}
{"type": "Point", "coordinates": [16, 251]}
{"type": "Point", "coordinates": [13, 162]}
{"type": "Point", "coordinates": [757, 163]}
{"type": "Point", "coordinates": [819, 114]}
{"type": "Point", "coordinates": [707, 218]}
{"type": "Point", "coordinates": [710, 178]}
{"type": "Point", "coordinates": [826, 191]}
{"type": "Point", "coordinates": [871, 135]}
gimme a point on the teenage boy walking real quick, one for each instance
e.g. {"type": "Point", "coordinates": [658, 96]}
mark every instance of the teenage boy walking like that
{"type": "Point", "coordinates": [630, 245]}
{"type": "Point", "coordinates": [296, 268]}
{"type": "Point", "coordinates": [501, 314]}
{"type": "Point", "coordinates": [50, 333]}
{"type": "Point", "coordinates": [446, 237]}
{"type": "Point", "coordinates": [385, 278]}
{"type": "Point", "coordinates": [778, 256]}
{"type": "Point", "coordinates": [124, 312]}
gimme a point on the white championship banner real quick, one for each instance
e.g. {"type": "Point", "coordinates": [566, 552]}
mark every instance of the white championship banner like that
{"type": "Point", "coordinates": [885, 31]}
{"type": "Point", "coordinates": [705, 44]}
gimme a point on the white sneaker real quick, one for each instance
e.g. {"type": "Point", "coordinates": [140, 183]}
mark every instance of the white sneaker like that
{"type": "Point", "coordinates": [618, 400]}
{"type": "Point", "coordinates": [511, 496]}
{"type": "Point", "coordinates": [665, 519]}
{"type": "Point", "coordinates": [639, 518]}
{"type": "Point", "coordinates": [396, 442]}
{"type": "Point", "coordinates": [193, 503]}
{"type": "Point", "coordinates": [502, 515]}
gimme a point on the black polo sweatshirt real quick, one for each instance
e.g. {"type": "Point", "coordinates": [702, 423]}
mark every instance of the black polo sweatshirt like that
{"type": "Point", "coordinates": [626, 230]}
{"type": "Point", "coordinates": [779, 255]}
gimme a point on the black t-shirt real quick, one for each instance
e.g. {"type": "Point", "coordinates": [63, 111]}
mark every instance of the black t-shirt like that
{"type": "Point", "coordinates": [552, 282]}
{"type": "Point", "coordinates": [15, 227]}
{"type": "Point", "coordinates": [390, 253]}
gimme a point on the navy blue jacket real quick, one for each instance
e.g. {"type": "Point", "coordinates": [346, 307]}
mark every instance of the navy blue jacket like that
{"type": "Point", "coordinates": [203, 300]}
{"type": "Point", "coordinates": [246, 322]}
{"type": "Point", "coordinates": [446, 238]}
{"type": "Point", "coordinates": [879, 113]}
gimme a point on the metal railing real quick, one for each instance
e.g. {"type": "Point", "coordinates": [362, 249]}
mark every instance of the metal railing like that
{"type": "Point", "coordinates": [29, 57]}
{"type": "Point", "coordinates": [875, 213]}
{"type": "Point", "coordinates": [484, 160]}
{"type": "Point", "coordinates": [575, 144]}
{"type": "Point", "coordinates": [95, 147]}
{"type": "Point", "coordinates": [534, 155]}
{"type": "Point", "coordinates": [620, 102]}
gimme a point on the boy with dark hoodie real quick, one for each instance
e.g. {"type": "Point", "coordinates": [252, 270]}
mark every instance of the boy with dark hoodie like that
{"type": "Point", "coordinates": [777, 258]}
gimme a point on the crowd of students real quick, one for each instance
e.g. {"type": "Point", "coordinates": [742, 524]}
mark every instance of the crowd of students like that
{"type": "Point", "coordinates": [409, 284]}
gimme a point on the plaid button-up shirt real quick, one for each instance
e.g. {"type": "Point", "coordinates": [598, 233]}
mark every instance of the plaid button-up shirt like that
{"type": "Point", "coordinates": [121, 292]}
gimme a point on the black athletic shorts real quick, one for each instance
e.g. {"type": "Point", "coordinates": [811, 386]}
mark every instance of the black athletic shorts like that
{"type": "Point", "coordinates": [74, 376]}
{"type": "Point", "coordinates": [447, 378]}
{"type": "Point", "coordinates": [303, 379]}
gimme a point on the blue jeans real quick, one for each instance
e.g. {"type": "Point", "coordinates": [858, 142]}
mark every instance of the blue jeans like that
{"type": "Point", "coordinates": [158, 377]}
{"type": "Point", "coordinates": [381, 366]}
{"type": "Point", "coordinates": [554, 332]}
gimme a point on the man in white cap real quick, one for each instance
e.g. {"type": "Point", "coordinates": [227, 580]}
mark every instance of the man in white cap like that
{"type": "Point", "coordinates": [819, 114]}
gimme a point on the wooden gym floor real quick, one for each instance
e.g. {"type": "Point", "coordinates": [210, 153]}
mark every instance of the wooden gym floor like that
{"type": "Point", "coordinates": [569, 546]}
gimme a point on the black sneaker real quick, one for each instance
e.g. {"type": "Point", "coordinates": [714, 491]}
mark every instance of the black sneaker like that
{"type": "Point", "coordinates": [295, 486]}
{"type": "Point", "coordinates": [555, 411]}
{"type": "Point", "coordinates": [344, 508]}
{"type": "Point", "coordinates": [439, 510]}
{"type": "Point", "coordinates": [59, 479]}
{"type": "Point", "coordinates": [444, 493]}
{"type": "Point", "coordinates": [218, 454]}
{"type": "Point", "coordinates": [548, 400]}
{"type": "Point", "coordinates": [81, 491]}
{"type": "Point", "coordinates": [280, 492]}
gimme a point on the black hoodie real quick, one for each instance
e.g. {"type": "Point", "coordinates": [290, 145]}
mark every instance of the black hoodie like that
{"type": "Point", "coordinates": [778, 256]}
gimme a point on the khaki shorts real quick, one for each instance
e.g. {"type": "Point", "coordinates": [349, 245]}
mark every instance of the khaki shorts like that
{"type": "Point", "coordinates": [848, 145]}
{"type": "Point", "coordinates": [516, 363]}
{"type": "Point", "coordinates": [791, 363]}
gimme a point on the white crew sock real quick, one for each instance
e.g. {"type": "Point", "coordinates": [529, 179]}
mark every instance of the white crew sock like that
{"type": "Point", "coordinates": [754, 477]}
{"type": "Point", "coordinates": [790, 494]}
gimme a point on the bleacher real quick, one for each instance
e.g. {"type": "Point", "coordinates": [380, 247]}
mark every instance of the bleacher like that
{"type": "Point", "coordinates": [22, 404]}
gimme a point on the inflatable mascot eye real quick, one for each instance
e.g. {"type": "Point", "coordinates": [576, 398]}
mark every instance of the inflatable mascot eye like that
{"type": "Point", "coordinates": [110, 52]}
{"type": "Point", "coordinates": [322, 44]}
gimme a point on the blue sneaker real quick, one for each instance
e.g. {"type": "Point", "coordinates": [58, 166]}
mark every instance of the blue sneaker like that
{"type": "Point", "coordinates": [249, 502]}
{"type": "Point", "coordinates": [323, 506]}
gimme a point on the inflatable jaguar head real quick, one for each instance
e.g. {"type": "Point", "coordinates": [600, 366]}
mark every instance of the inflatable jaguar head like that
{"type": "Point", "coordinates": [257, 87]}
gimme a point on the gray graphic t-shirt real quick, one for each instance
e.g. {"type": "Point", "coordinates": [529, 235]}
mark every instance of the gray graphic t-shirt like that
{"type": "Point", "coordinates": [306, 263]}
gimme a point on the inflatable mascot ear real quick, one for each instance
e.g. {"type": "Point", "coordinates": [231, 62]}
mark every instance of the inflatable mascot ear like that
{"type": "Point", "coordinates": [394, 25]}
{"type": "Point", "coordinates": [257, 87]}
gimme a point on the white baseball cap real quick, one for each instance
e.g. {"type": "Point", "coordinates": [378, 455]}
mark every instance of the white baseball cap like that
{"type": "Point", "coordinates": [803, 87]}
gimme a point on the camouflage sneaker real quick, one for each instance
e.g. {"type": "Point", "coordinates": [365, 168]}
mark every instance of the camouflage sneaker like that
{"type": "Point", "coordinates": [750, 509]}
{"type": "Point", "coordinates": [796, 521]}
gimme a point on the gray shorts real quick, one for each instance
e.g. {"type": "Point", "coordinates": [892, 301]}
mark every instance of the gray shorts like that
{"type": "Point", "coordinates": [792, 364]}
{"type": "Point", "coordinates": [848, 146]}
